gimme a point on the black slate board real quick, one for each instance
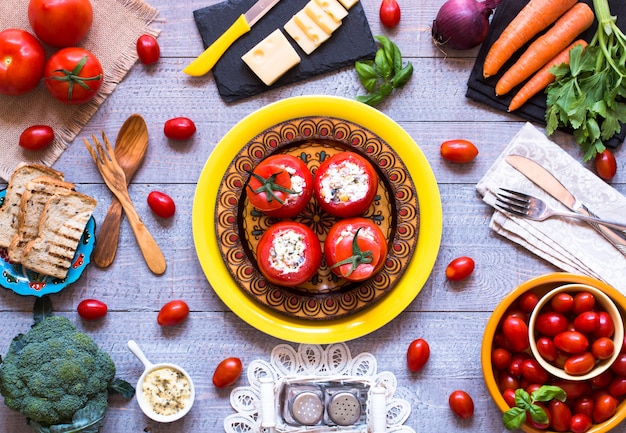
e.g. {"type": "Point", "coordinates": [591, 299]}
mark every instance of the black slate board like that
{"type": "Point", "coordinates": [352, 41]}
{"type": "Point", "coordinates": [483, 90]}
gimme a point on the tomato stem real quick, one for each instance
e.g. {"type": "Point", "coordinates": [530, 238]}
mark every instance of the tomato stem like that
{"type": "Point", "coordinates": [73, 77]}
{"type": "Point", "coordinates": [357, 258]}
{"type": "Point", "coordinates": [269, 186]}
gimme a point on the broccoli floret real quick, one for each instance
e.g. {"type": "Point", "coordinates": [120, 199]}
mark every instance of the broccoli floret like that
{"type": "Point", "coordinates": [53, 371]}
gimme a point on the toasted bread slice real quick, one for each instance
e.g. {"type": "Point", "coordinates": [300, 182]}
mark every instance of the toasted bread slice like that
{"type": "Point", "coordinates": [61, 227]}
{"type": "Point", "coordinates": [13, 198]}
{"type": "Point", "coordinates": [36, 194]}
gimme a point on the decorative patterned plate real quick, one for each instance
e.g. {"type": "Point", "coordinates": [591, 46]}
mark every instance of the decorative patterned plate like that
{"type": "Point", "coordinates": [26, 282]}
{"type": "Point", "coordinates": [282, 325]}
{"type": "Point", "coordinates": [314, 139]}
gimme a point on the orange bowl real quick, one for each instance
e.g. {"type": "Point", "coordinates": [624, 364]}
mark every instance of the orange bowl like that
{"type": "Point", "coordinates": [540, 286]}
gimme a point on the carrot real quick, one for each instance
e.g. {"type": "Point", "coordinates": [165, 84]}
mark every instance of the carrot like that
{"type": "Point", "coordinates": [542, 78]}
{"type": "Point", "coordinates": [547, 46]}
{"type": "Point", "coordinates": [535, 17]}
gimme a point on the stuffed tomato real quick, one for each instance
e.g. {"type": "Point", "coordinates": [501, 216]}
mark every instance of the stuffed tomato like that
{"type": "Point", "coordinates": [280, 186]}
{"type": "Point", "coordinates": [355, 249]}
{"type": "Point", "coordinates": [288, 253]}
{"type": "Point", "coordinates": [345, 185]}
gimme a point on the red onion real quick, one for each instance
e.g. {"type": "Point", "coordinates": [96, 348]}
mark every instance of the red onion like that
{"type": "Point", "coordinates": [463, 24]}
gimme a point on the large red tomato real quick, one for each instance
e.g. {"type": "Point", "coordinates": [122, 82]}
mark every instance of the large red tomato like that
{"type": "Point", "coordinates": [345, 184]}
{"type": "Point", "coordinates": [60, 23]}
{"type": "Point", "coordinates": [280, 186]}
{"type": "Point", "coordinates": [288, 253]}
{"type": "Point", "coordinates": [73, 75]}
{"type": "Point", "coordinates": [355, 248]}
{"type": "Point", "coordinates": [22, 60]}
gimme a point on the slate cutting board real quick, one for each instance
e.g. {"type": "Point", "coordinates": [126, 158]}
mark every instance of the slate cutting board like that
{"type": "Point", "coordinates": [483, 90]}
{"type": "Point", "coordinates": [352, 41]}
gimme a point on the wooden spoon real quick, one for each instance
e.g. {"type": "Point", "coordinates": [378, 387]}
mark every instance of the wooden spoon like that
{"type": "Point", "coordinates": [130, 148]}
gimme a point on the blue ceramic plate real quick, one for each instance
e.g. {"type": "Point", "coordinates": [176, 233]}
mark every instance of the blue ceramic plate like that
{"type": "Point", "coordinates": [28, 283]}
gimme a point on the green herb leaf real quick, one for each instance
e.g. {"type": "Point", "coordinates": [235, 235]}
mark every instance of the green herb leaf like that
{"type": "Point", "coordinates": [514, 418]}
{"type": "Point", "coordinates": [367, 75]}
{"type": "Point", "coordinates": [522, 399]}
{"type": "Point", "coordinates": [120, 386]}
{"type": "Point", "coordinates": [547, 393]}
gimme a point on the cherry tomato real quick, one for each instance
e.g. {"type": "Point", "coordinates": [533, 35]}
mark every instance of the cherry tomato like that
{"type": "Point", "coordinates": [460, 268]}
{"type": "Point", "coordinates": [560, 415]}
{"type": "Point", "coordinates": [515, 367]}
{"type": "Point", "coordinates": [619, 365]}
{"type": "Point", "coordinates": [604, 407]}
{"type": "Point", "coordinates": [36, 137]}
{"type": "Point", "coordinates": [587, 321]}
{"type": "Point", "coordinates": [389, 13]}
{"type": "Point", "coordinates": [281, 186]}
{"type": "Point", "coordinates": [573, 389]}
{"type": "Point", "coordinates": [547, 349]}
{"type": "Point", "coordinates": [603, 380]}
{"type": "Point", "coordinates": [345, 185]}
{"type": "Point", "coordinates": [532, 371]}
{"type": "Point", "coordinates": [617, 387]}
{"type": "Point", "coordinates": [355, 249]}
{"type": "Point", "coordinates": [68, 70]}
{"type": "Point", "coordinates": [606, 328]}
{"type": "Point", "coordinates": [579, 364]}
{"type": "Point", "coordinates": [539, 426]}
{"type": "Point", "coordinates": [509, 397]}
{"type": "Point", "coordinates": [148, 49]}
{"type": "Point", "coordinates": [528, 301]}
{"type": "Point", "coordinates": [500, 358]}
{"type": "Point", "coordinates": [22, 61]}
{"type": "Point", "coordinates": [288, 253]}
{"type": "Point", "coordinates": [551, 323]}
{"type": "Point", "coordinates": [571, 342]}
{"type": "Point", "coordinates": [580, 423]}
{"type": "Point", "coordinates": [603, 348]}
{"type": "Point", "coordinates": [562, 302]}
{"type": "Point", "coordinates": [92, 309]}
{"type": "Point", "coordinates": [161, 204]}
{"type": "Point", "coordinates": [60, 23]}
{"type": "Point", "coordinates": [606, 166]}
{"type": "Point", "coordinates": [173, 313]}
{"type": "Point", "coordinates": [516, 331]}
{"type": "Point", "coordinates": [459, 151]}
{"type": "Point", "coordinates": [583, 301]}
{"type": "Point", "coordinates": [461, 404]}
{"type": "Point", "coordinates": [507, 381]}
{"type": "Point", "coordinates": [584, 405]}
{"type": "Point", "coordinates": [417, 354]}
{"type": "Point", "coordinates": [227, 372]}
{"type": "Point", "coordinates": [179, 128]}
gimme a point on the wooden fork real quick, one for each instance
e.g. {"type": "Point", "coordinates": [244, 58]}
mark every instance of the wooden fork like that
{"type": "Point", "coordinates": [113, 175]}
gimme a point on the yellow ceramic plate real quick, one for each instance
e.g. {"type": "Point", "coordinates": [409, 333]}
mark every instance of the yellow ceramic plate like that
{"type": "Point", "coordinates": [328, 331]}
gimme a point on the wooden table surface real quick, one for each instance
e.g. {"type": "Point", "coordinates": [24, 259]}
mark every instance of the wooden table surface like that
{"type": "Point", "coordinates": [450, 316]}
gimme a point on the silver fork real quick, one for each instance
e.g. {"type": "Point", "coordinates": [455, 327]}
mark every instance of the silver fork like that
{"type": "Point", "coordinates": [527, 206]}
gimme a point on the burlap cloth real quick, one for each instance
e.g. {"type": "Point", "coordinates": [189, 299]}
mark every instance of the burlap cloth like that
{"type": "Point", "coordinates": [117, 25]}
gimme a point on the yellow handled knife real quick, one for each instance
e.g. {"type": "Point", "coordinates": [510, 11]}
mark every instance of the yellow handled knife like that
{"type": "Point", "coordinates": [205, 61]}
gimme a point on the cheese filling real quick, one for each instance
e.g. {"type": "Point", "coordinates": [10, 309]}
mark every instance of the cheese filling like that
{"type": "Point", "coordinates": [166, 390]}
{"type": "Point", "coordinates": [287, 251]}
{"type": "Point", "coordinates": [297, 184]}
{"type": "Point", "coordinates": [349, 232]}
{"type": "Point", "coordinates": [344, 182]}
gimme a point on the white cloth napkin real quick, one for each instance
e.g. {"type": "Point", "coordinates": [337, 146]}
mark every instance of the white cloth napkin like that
{"type": "Point", "coordinates": [571, 245]}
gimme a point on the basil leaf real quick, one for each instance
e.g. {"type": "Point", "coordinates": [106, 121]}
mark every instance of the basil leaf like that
{"type": "Point", "coordinates": [367, 75]}
{"type": "Point", "coordinates": [388, 48]}
{"type": "Point", "coordinates": [383, 66]}
{"type": "Point", "coordinates": [514, 418]}
{"type": "Point", "coordinates": [547, 393]}
{"type": "Point", "coordinates": [538, 414]}
{"type": "Point", "coordinates": [522, 399]}
{"type": "Point", "coordinates": [372, 99]}
{"type": "Point", "coordinates": [403, 76]}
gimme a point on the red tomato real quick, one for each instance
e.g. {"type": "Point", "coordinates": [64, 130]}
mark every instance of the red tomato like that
{"type": "Point", "coordinates": [68, 70]}
{"type": "Point", "coordinates": [617, 387]}
{"type": "Point", "coordinates": [179, 128]}
{"type": "Point", "coordinates": [36, 137]}
{"type": "Point", "coordinates": [583, 301]}
{"type": "Point", "coordinates": [546, 348]}
{"type": "Point", "coordinates": [571, 342]}
{"type": "Point", "coordinates": [560, 415]}
{"type": "Point", "coordinates": [161, 204]}
{"type": "Point", "coordinates": [459, 151]}
{"type": "Point", "coordinates": [509, 397]}
{"type": "Point", "coordinates": [528, 301]}
{"type": "Point", "coordinates": [288, 253]}
{"type": "Point", "coordinates": [516, 331]}
{"type": "Point", "coordinates": [580, 423]}
{"type": "Point", "coordinates": [148, 49]}
{"type": "Point", "coordinates": [389, 13]}
{"type": "Point", "coordinates": [460, 268]}
{"type": "Point", "coordinates": [539, 426]}
{"type": "Point", "coordinates": [60, 23]}
{"type": "Point", "coordinates": [92, 309]}
{"type": "Point", "coordinates": [603, 348]}
{"type": "Point", "coordinates": [507, 381]}
{"type": "Point", "coordinates": [606, 166]}
{"type": "Point", "coordinates": [584, 405]}
{"type": "Point", "coordinates": [606, 328]}
{"type": "Point", "coordinates": [579, 364]}
{"type": "Point", "coordinates": [603, 380]}
{"type": "Point", "coordinates": [281, 186]}
{"type": "Point", "coordinates": [587, 321]}
{"type": "Point", "coordinates": [573, 389]}
{"type": "Point", "coordinates": [551, 323]}
{"type": "Point", "coordinates": [515, 367]}
{"type": "Point", "coordinates": [355, 249]}
{"type": "Point", "coordinates": [461, 404]}
{"type": "Point", "coordinates": [227, 372]}
{"type": "Point", "coordinates": [417, 354]}
{"type": "Point", "coordinates": [604, 407]}
{"type": "Point", "coordinates": [500, 358]}
{"type": "Point", "coordinates": [619, 365]}
{"type": "Point", "coordinates": [173, 313]}
{"type": "Point", "coordinates": [562, 302]}
{"type": "Point", "coordinates": [22, 60]}
{"type": "Point", "coordinates": [532, 371]}
{"type": "Point", "coordinates": [345, 185]}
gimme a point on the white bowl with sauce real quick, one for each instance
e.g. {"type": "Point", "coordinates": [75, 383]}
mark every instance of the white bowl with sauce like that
{"type": "Point", "coordinates": [164, 391]}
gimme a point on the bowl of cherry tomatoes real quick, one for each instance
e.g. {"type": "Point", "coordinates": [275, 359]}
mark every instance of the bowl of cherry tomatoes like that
{"type": "Point", "coordinates": [589, 404]}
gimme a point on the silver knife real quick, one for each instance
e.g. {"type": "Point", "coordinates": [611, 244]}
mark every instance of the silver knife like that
{"type": "Point", "coordinates": [546, 180]}
{"type": "Point", "coordinates": [205, 61]}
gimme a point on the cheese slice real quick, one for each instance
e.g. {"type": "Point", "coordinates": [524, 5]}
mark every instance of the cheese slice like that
{"type": "Point", "coordinates": [332, 8]}
{"type": "Point", "coordinates": [298, 35]}
{"type": "Point", "coordinates": [271, 57]}
{"type": "Point", "coordinates": [310, 27]}
{"type": "Point", "coordinates": [348, 3]}
{"type": "Point", "coordinates": [321, 18]}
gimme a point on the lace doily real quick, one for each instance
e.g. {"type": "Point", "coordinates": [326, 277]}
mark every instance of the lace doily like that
{"type": "Point", "coordinates": [311, 363]}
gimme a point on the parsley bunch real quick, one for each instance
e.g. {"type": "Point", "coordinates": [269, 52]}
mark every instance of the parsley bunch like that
{"type": "Point", "coordinates": [525, 403]}
{"type": "Point", "coordinates": [588, 94]}
{"type": "Point", "coordinates": [383, 74]}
